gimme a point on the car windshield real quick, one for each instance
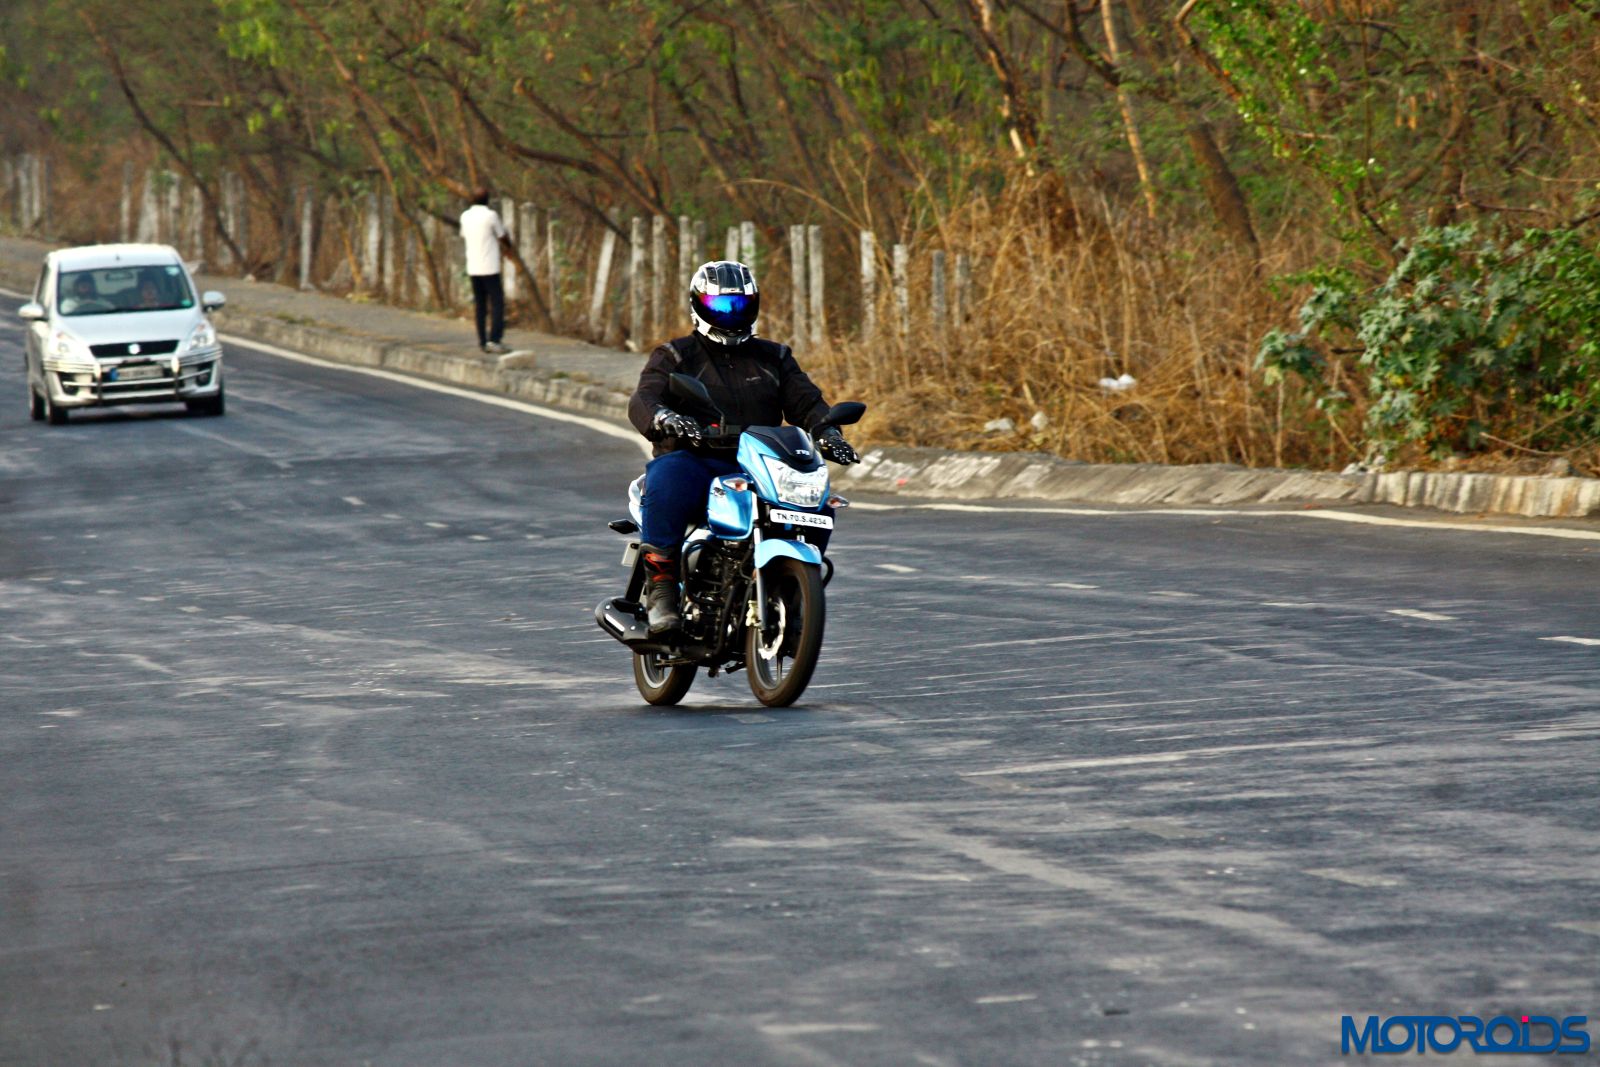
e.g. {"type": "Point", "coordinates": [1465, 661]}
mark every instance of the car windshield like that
{"type": "Point", "coordinates": [117, 290]}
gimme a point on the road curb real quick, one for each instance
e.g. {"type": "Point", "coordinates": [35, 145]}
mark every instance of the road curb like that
{"type": "Point", "coordinates": [1039, 476]}
{"type": "Point", "coordinates": [338, 346]}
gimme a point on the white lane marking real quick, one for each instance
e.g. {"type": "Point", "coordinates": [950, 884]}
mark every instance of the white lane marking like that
{"type": "Point", "coordinates": [804, 1029]}
{"type": "Point", "coordinates": [1068, 638]}
{"type": "Point", "coordinates": [1166, 757]}
{"type": "Point", "coordinates": [1363, 879]}
{"type": "Point", "coordinates": [355, 501]}
{"type": "Point", "coordinates": [1239, 513]}
{"type": "Point", "coordinates": [1574, 640]}
{"type": "Point", "coordinates": [1170, 592]}
{"type": "Point", "coordinates": [1015, 998]}
{"type": "Point", "coordinates": [896, 568]}
{"type": "Point", "coordinates": [597, 425]}
{"type": "Point", "coordinates": [1380, 520]}
{"type": "Point", "coordinates": [1072, 585]}
{"type": "Point", "coordinates": [1429, 616]}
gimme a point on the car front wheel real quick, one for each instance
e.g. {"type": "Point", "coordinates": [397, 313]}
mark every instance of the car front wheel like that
{"type": "Point", "coordinates": [55, 416]}
{"type": "Point", "coordinates": [208, 405]}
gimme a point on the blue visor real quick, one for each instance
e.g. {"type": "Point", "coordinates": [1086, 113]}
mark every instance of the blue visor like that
{"type": "Point", "coordinates": [726, 304]}
{"type": "Point", "coordinates": [728, 311]}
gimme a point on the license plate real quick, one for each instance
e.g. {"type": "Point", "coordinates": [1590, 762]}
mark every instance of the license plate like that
{"type": "Point", "coordinates": [802, 518]}
{"type": "Point", "coordinates": [139, 373]}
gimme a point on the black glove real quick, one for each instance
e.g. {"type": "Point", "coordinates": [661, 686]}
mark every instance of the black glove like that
{"type": "Point", "coordinates": [832, 445]}
{"type": "Point", "coordinates": [669, 423]}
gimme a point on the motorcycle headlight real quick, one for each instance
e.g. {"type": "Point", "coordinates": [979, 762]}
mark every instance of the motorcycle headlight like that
{"type": "Point", "coordinates": [202, 337]}
{"type": "Point", "coordinates": [801, 489]}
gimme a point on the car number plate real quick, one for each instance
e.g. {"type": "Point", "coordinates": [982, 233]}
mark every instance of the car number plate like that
{"type": "Point", "coordinates": [138, 373]}
{"type": "Point", "coordinates": [802, 518]}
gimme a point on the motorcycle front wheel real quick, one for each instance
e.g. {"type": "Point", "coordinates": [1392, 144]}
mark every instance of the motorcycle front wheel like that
{"type": "Point", "coordinates": [780, 661]}
{"type": "Point", "coordinates": [659, 684]}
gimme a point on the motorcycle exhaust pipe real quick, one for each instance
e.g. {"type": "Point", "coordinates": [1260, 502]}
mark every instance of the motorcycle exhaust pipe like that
{"type": "Point", "coordinates": [622, 620]}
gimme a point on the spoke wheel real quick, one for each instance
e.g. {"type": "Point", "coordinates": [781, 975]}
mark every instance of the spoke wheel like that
{"type": "Point", "coordinates": [780, 662]}
{"type": "Point", "coordinates": [658, 684]}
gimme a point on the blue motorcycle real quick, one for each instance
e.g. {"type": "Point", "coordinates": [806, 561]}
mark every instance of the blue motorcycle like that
{"type": "Point", "coordinates": [752, 573]}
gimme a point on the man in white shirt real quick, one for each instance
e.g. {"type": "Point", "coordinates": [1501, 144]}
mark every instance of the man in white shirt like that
{"type": "Point", "coordinates": [483, 231]}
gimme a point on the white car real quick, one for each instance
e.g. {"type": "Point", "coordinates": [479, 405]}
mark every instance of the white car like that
{"type": "Point", "coordinates": [120, 324]}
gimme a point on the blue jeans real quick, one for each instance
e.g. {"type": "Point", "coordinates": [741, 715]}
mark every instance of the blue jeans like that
{"type": "Point", "coordinates": [675, 487]}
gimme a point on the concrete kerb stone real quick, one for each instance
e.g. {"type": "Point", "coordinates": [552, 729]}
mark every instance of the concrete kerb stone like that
{"type": "Point", "coordinates": [1032, 476]}
{"type": "Point", "coordinates": [516, 379]}
{"type": "Point", "coordinates": [1036, 476]}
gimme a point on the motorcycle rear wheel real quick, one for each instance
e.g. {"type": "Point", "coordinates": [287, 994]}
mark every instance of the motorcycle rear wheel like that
{"type": "Point", "coordinates": [780, 665]}
{"type": "Point", "coordinates": [657, 684]}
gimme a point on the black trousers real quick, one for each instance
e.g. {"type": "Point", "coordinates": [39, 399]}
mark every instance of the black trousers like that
{"type": "Point", "coordinates": [489, 301]}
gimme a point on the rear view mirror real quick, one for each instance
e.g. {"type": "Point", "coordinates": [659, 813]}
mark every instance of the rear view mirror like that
{"type": "Point", "coordinates": [31, 312]}
{"type": "Point", "coordinates": [212, 300]}
{"type": "Point", "coordinates": [686, 388]}
{"type": "Point", "coordinates": [844, 414]}
{"type": "Point", "coordinates": [693, 390]}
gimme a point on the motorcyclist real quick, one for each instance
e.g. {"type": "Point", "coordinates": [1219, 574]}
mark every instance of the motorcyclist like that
{"type": "Point", "coordinates": [754, 382]}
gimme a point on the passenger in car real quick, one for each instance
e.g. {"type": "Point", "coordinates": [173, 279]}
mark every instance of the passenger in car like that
{"type": "Point", "coordinates": [150, 293]}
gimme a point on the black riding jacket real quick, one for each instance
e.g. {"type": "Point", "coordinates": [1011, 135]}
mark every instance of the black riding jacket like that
{"type": "Point", "coordinates": [757, 383]}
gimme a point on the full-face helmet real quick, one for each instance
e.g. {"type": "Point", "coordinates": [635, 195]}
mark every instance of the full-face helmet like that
{"type": "Point", "coordinates": [724, 302]}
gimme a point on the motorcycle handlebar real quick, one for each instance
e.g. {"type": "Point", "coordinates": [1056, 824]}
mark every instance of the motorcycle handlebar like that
{"type": "Point", "coordinates": [720, 434]}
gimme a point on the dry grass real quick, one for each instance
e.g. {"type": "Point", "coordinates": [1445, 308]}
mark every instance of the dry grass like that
{"type": "Point", "coordinates": [1054, 310]}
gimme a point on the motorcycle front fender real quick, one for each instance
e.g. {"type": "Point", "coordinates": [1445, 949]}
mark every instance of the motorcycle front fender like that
{"type": "Point", "coordinates": [771, 549]}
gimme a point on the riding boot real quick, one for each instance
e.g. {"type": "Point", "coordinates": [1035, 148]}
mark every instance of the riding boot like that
{"type": "Point", "coordinates": [661, 588]}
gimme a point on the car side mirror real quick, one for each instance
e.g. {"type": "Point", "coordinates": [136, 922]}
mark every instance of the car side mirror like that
{"type": "Point", "coordinates": [844, 414]}
{"type": "Point", "coordinates": [32, 311]}
{"type": "Point", "coordinates": [212, 300]}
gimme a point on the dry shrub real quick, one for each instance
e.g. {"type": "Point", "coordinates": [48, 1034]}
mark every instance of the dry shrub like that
{"type": "Point", "coordinates": [1056, 309]}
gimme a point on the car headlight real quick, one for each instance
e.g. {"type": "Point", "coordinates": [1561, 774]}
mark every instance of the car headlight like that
{"type": "Point", "coordinates": [802, 489]}
{"type": "Point", "coordinates": [202, 337]}
{"type": "Point", "coordinates": [65, 348]}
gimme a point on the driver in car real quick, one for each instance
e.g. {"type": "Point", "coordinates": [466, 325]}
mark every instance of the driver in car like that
{"type": "Point", "coordinates": [83, 292]}
{"type": "Point", "coordinates": [754, 382]}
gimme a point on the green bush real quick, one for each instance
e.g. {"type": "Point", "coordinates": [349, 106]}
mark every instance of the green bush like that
{"type": "Point", "coordinates": [1474, 342]}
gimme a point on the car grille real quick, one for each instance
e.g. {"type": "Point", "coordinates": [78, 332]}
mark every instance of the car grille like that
{"type": "Point", "coordinates": [146, 348]}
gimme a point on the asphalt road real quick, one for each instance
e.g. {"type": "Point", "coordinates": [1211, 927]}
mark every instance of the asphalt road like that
{"type": "Point", "coordinates": [311, 754]}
